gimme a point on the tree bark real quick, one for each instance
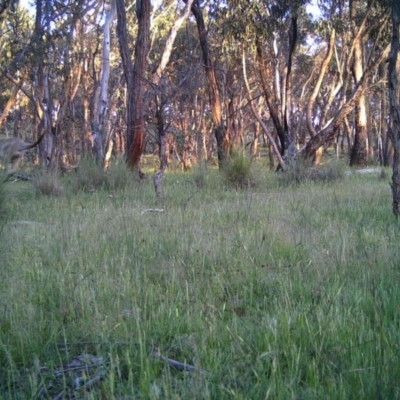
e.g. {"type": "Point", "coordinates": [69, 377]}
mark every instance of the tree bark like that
{"type": "Point", "coordinates": [135, 77]}
{"type": "Point", "coordinates": [137, 137]}
{"type": "Point", "coordinates": [101, 103]}
{"type": "Point", "coordinates": [359, 151]}
{"type": "Point", "coordinates": [311, 101]}
{"type": "Point", "coordinates": [287, 101]}
{"type": "Point", "coordinates": [215, 101]}
{"type": "Point", "coordinates": [394, 101]}
{"type": "Point", "coordinates": [258, 117]}
{"type": "Point", "coordinates": [328, 133]}
{"type": "Point", "coordinates": [281, 121]}
{"type": "Point", "coordinates": [160, 100]}
{"type": "Point", "coordinates": [318, 84]}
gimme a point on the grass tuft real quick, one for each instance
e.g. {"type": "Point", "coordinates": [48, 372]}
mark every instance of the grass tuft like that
{"type": "Point", "coordinates": [3, 203]}
{"type": "Point", "coordinates": [200, 175]}
{"type": "Point", "coordinates": [274, 292]}
{"type": "Point", "coordinates": [47, 183]}
{"type": "Point", "coordinates": [237, 171]}
{"type": "Point", "coordinates": [119, 176]}
{"type": "Point", "coordinates": [89, 176]}
{"type": "Point", "coordinates": [301, 172]}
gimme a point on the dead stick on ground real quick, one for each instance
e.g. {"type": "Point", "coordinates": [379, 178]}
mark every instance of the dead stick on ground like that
{"type": "Point", "coordinates": [176, 364]}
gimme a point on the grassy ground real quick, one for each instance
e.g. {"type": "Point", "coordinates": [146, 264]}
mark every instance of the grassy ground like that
{"type": "Point", "coordinates": [270, 292]}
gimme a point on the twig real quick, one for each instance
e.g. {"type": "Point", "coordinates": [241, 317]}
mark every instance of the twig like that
{"type": "Point", "coordinates": [176, 364]}
{"type": "Point", "coordinates": [159, 210]}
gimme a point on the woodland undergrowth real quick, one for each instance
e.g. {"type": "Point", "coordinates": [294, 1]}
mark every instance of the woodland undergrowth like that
{"type": "Point", "coordinates": [269, 291]}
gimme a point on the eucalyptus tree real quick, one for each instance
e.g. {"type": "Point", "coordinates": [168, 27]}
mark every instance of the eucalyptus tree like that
{"type": "Point", "coordinates": [352, 58]}
{"type": "Point", "coordinates": [15, 34]}
{"type": "Point", "coordinates": [101, 93]}
{"type": "Point", "coordinates": [269, 33]}
{"type": "Point", "coordinates": [135, 76]}
{"type": "Point", "coordinates": [213, 88]}
{"type": "Point", "coordinates": [366, 18]}
{"type": "Point", "coordinates": [160, 99]}
{"type": "Point", "coordinates": [54, 55]}
{"type": "Point", "coordinates": [394, 98]}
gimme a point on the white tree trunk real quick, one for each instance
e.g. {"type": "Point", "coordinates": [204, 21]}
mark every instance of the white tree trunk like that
{"type": "Point", "coordinates": [102, 102]}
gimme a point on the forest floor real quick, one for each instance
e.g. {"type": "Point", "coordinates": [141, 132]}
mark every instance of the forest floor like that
{"type": "Point", "coordinates": [268, 292]}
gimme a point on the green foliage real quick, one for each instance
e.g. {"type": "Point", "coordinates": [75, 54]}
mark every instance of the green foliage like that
{"type": "Point", "coordinates": [47, 183]}
{"type": "Point", "coordinates": [119, 176]}
{"type": "Point", "coordinates": [278, 292]}
{"type": "Point", "coordinates": [237, 171]}
{"type": "Point", "coordinates": [90, 176]}
{"type": "Point", "coordinates": [301, 172]}
{"type": "Point", "coordinates": [200, 175]}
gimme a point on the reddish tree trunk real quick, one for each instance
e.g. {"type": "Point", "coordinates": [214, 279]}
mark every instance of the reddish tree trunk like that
{"type": "Point", "coordinates": [135, 77]}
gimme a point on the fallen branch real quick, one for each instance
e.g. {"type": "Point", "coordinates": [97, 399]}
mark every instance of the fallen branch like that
{"type": "Point", "coordinates": [175, 364]}
{"type": "Point", "coordinates": [160, 210]}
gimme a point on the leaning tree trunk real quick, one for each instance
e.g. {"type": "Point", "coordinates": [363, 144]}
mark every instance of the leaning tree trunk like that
{"type": "Point", "coordinates": [329, 132]}
{"type": "Point", "coordinates": [317, 87]}
{"type": "Point", "coordinates": [215, 101]}
{"type": "Point", "coordinates": [394, 100]}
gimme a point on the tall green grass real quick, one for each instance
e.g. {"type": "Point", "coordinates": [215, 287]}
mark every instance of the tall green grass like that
{"type": "Point", "coordinates": [271, 292]}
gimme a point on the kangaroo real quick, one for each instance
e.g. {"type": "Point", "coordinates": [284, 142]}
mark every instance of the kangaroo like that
{"type": "Point", "coordinates": [12, 150]}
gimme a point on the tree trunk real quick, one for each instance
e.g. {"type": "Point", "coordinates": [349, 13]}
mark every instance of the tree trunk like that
{"type": "Point", "coordinates": [161, 101]}
{"type": "Point", "coordinates": [215, 101]}
{"type": "Point", "coordinates": [287, 101]}
{"type": "Point", "coordinates": [258, 117]}
{"type": "Point", "coordinates": [135, 77]}
{"type": "Point", "coordinates": [101, 104]}
{"type": "Point", "coordinates": [359, 151]}
{"type": "Point", "coordinates": [394, 100]}
{"type": "Point", "coordinates": [42, 99]}
{"type": "Point", "coordinates": [281, 120]}
{"type": "Point", "coordinates": [136, 137]}
{"type": "Point", "coordinates": [311, 101]}
{"type": "Point", "coordinates": [329, 132]}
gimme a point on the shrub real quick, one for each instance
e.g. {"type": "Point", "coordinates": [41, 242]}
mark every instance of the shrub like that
{"type": "Point", "coordinates": [200, 175]}
{"type": "Point", "coordinates": [47, 183]}
{"type": "Point", "coordinates": [300, 172]}
{"type": "Point", "coordinates": [238, 171]}
{"type": "Point", "coordinates": [119, 176]}
{"type": "Point", "coordinates": [89, 176]}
